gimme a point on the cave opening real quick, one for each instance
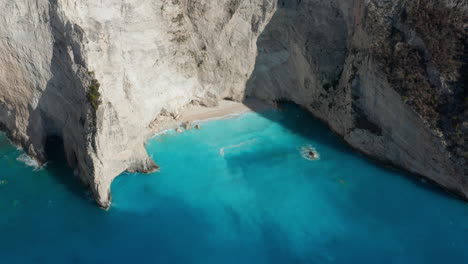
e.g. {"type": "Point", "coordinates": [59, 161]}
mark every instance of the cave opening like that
{"type": "Point", "coordinates": [55, 149]}
{"type": "Point", "coordinates": [58, 166]}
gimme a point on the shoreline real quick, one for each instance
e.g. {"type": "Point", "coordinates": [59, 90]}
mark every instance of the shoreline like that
{"type": "Point", "coordinates": [196, 114]}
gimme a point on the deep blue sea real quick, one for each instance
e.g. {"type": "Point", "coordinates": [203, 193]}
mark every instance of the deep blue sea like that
{"type": "Point", "coordinates": [237, 191]}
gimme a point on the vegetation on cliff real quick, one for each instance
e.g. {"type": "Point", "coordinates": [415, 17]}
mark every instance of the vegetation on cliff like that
{"type": "Point", "coordinates": [93, 95]}
{"type": "Point", "coordinates": [424, 53]}
{"type": "Point", "coordinates": [94, 98]}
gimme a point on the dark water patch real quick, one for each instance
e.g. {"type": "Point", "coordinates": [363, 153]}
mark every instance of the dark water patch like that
{"type": "Point", "coordinates": [57, 166]}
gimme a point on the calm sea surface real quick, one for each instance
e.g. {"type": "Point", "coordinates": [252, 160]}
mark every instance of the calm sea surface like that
{"type": "Point", "coordinates": [237, 191]}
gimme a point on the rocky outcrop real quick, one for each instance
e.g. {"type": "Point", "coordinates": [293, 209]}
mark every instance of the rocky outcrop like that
{"type": "Point", "coordinates": [97, 73]}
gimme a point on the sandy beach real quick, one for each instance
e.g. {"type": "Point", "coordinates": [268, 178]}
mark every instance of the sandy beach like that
{"type": "Point", "coordinates": [195, 114]}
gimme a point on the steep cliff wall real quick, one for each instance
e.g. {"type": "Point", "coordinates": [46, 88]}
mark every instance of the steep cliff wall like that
{"type": "Point", "coordinates": [97, 73]}
{"type": "Point", "coordinates": [44, 82]}
{"type": "Point", "coordinates": [389, 76]}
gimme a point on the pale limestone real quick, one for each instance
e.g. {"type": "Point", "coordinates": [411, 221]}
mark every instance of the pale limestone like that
{"type": "Point", "coordinates": [154, 58]}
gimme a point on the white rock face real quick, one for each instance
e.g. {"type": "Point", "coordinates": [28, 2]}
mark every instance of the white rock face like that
{"type": "Point", "coordinates": [43, 82]}
{"type": "Point", "coordinates": [156, 56]}
{"type": "Point", "coordinates": [148, 56]}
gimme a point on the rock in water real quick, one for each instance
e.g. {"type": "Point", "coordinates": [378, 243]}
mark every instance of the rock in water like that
{"type": "Point", "coordinates": [66, 72]}
{"type": "Point", "coordinates": [186, 125]}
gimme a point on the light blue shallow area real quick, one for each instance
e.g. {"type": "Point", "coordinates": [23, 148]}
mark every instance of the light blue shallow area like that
{"type": "Point", "coordinates": [236, 191]}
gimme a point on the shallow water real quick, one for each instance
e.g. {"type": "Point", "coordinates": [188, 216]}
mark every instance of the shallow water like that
{"type": "Point", "coordinates": [237, 191]}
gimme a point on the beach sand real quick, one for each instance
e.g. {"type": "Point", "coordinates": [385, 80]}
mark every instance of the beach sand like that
{"type": "Point", "coordinates": [195, 114]}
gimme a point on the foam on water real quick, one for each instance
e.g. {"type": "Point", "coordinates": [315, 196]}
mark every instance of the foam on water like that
{"type": "Point", "coordinates": [247, 142]}
{"type": "Point", "coordinates": [260, 202]}
{"type": "Point", "coordinates": [28, 161]}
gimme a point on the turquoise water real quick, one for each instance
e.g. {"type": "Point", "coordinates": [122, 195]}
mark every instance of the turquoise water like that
{"type": "Point", "coordinates": [237, 191]}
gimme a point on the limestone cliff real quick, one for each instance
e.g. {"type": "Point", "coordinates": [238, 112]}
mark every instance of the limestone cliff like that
{"type": "Point", "coordinates": [97, 73]}
{"type": "Point", "coordinates": [389, 76]}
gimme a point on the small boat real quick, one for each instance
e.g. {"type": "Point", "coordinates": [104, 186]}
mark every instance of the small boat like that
{"type": "Point", "coordinates": [309, 153]}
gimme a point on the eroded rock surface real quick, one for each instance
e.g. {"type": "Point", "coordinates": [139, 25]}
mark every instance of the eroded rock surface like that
{"type": "Point", "coordinates": [389, 76]}
{"type": "Point", "coordinates": [148, 57]}
{"type": "Point", "coordinates": [97, 73]}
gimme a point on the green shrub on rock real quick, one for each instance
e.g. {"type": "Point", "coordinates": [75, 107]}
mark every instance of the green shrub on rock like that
{"type": "Point", "coordinates": [94, 96]}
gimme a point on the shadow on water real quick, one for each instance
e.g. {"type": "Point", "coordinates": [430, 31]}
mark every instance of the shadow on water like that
{"type": "Point", "coordinates": [275, 64]}
{"type": "Point", "coordinates": [269, 76]}
{"type": "Point", "coordinates": [293, 119]}
{"type": "Point", "coordinates": [302, 123]}
{"type": "Point", "coordinates": [174, 231]}
{"type": "Point", "coordinates": [58, 168]}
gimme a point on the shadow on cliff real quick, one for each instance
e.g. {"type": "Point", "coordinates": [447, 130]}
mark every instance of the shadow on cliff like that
{"type": "Point", "coordinates": [58, 167]}
{"type": "Point", "coordinates": [296, 120]}
{"type": "Point", "coordinates": [53, 118]}
{"type": "Point", "coordinates": [270, 47]}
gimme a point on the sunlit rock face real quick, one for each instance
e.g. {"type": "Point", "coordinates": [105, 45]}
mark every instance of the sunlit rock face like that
{"type": "Point", "coordinates": [146, 58]}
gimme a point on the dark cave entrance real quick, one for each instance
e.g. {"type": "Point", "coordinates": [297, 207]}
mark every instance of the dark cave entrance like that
{"type": "Point", "coordinates": [58, 167]}
{"type": "Point", "coordinates": [55, 149]}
